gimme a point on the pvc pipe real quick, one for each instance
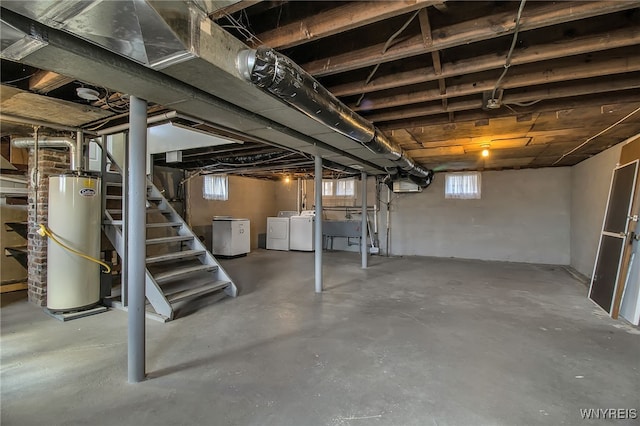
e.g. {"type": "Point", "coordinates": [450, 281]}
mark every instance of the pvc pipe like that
{"type": "Point", "coordinates": [79, 151]}
{"type": "Point", "coordinates": [298, 188]}
{"type": "Point", "coordinates": [136, 241]}
{"type": "Point", "coordinates": [318, 223]}
{"type": "Point", "coordinates": [167, 116]}
{"type": "Point", "coordinates": [363, 238]}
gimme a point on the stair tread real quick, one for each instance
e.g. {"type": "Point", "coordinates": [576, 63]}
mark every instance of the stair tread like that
{"type": "Point", "coordinates": [192, 292]}
{"type": "Point", "coordinates": [174, 256]}
{"type": "Point", "coordinates": [163, 240]}
{"type": "Point", "coordinates": [20, 249]}
{"type": "Point", "coordinates": [181, 272]}
{"type": "Point", "coordinates": [163, 224]}
{"type": "Point", "coordinates": [119, 222]}
{"type": "Point", "coordinates": [148, 209]}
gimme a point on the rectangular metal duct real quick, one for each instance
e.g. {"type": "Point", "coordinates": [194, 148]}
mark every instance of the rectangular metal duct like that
{"type": "Point", "coordinates": [177, 39]}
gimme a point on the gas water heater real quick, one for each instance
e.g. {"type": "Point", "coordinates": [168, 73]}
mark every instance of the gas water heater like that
{"type": "Point", "coordinates": [75, 212]}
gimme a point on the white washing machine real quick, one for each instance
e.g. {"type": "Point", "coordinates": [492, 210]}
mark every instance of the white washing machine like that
{"type": "Point", "coordinates": [301, 232]}
{"type": "Point", "coordinates": [278, 233]}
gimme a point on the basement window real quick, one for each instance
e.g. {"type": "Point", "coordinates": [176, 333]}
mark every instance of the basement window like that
{"type": "Point", "coordinates": [464, 185]}
{"type": "Point", "coordinates": [216, 187]}
{"type": "Point", "coordinates": [346, 188]}
{"type": "Point", "coordinates": [327, 188]}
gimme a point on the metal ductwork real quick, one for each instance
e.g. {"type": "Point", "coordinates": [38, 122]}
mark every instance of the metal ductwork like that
{"type": "Point", "coordinates": [281, 77]}
{"type": "Point", "coordinates": [171, 53]}
{"type": "Point", "coordinates": [75, 154]}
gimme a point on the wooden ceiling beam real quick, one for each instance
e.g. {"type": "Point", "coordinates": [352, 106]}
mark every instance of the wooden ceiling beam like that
{"type": "Point", "coordinates": [46, 81]}
{"type": "Point", "coordinates": [591, 43]}
{"type": "Point", "coordinates": [588, 88]}
{"type": "Point", "coordinates": [472, 116]}
{"type": "Point", "coordinates": [425, 29]}
{"type": "Point", "coordinates": [233, 8]}
{"type": "Point", "coordinates": [563, 70]}
{"type": "Point", "coordinates": [472, 31]}
{"type": "Point", "coordinates": [338, 20]}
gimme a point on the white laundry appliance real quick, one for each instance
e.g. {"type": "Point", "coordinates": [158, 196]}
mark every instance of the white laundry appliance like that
{"type": "Point", "coordinates": [301, 231]}
{"type": "Point", "coordinates": [230, 236]}
{"type": "Point", "coordinates": [278, 233]}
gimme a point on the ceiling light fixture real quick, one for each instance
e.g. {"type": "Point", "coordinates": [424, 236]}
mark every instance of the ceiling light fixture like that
{"type": "Point", "coordinates": [485, 150]}
{"type": "Point", "coordinates": [87, 94]}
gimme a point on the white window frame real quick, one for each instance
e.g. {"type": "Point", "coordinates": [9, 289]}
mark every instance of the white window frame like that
{"type": "Point", "coordinates": [327, 187]}
{"type": "Point", "coordinates": [463, 185]}
{"type": "Point", "coordinates": [215, 187]}
{"type": "Point", "coordinates": [345, 188]}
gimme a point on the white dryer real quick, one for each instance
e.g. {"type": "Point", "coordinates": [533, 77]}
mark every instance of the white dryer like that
{"type": "Point", "coordinates": [278, 233]}
{"type": "Point", "coordinates": [302, 232]}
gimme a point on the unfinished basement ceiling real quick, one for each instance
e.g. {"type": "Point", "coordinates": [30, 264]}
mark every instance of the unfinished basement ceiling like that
{"type": "Point", "coordinates": [423, 72]}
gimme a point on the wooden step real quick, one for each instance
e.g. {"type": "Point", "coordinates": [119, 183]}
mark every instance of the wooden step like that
{"type": "Point", "coordinates": [198, 291]}
{"type": "Point", "coordinates": [182, 272]}
{"type": "Point", "coordinates": [174, 256]}
{"type": "Point", "coordinates": [166, 240]}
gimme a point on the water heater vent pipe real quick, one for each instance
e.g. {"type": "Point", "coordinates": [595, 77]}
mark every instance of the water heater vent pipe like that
{"type": "Point", "coordinates": [53, 142]}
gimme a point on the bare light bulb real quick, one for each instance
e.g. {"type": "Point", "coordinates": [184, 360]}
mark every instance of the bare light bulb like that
{"type": "Point", "coordinates": [287, 179]}
{"type": "Point", "coordinates": [485, 152]}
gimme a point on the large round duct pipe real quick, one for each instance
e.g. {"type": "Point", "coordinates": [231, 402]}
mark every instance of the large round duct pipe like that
{"type": "Point", "coordinates": [283, 78]}
{"type": "Point", "coordinates": [53, 142]}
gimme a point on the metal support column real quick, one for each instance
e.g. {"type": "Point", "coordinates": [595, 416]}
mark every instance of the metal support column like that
{"type": "Point", "coordinates": [136, 216]}
{"type": "Point", "coordinates": [364, 225]}
{"type": "Point", "coordinates": [318, 222]}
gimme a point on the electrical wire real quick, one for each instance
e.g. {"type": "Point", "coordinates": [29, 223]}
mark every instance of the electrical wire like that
{"type": "Point", "coordinates": [384, 49]}
{"type": "Point", "coordinates": [18, 79]}
{"type": "Point", "coordinates": [525, 104]}
{"type": "Point", "coordinates": [44, 231]}
{"type": "Point", "coordinates": [596, 135]}
{"type": "Point", "coordinates": [507, 63]}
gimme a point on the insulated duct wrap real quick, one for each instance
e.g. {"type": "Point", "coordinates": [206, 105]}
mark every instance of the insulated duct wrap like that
{"type": "Point", "coordinates": [382, 145]}
{"type": "Point", "coordinates": [281, 77]}
{"type": "Point", "coordinates": [284, 79]}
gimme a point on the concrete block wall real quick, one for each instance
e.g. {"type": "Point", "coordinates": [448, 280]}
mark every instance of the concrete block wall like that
{"type": "Point", "coordinates": [50, 163]}
{"type": "Point", "coordinates": [523, 216]}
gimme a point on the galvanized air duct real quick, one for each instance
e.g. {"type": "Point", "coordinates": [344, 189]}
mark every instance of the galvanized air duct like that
{"type": "Point", "coordinates": [280, 76]}
{"type": "Point", "coordinates": [75, 154]}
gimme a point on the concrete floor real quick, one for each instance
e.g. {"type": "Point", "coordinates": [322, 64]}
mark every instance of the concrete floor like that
{"type": "Point", "coordinates": [410, 341]}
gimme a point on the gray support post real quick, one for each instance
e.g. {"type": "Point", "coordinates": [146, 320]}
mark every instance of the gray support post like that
{"type": "Point", "coordinates": [136, 216]}
{"type": "Point", "coordinates": [318, 222]}
{"type": "Point", "coordinates": [364, 225]}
